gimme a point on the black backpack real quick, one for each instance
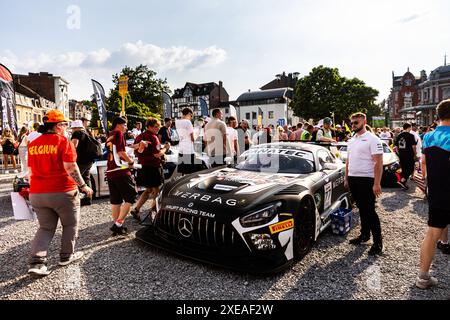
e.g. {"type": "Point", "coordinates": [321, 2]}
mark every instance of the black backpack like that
{"type": "Point", "coordinates": [93, 148]}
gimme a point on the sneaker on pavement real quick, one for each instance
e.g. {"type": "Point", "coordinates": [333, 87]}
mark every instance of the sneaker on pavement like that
{"type": "Point", "coordinates": [6, 172]}
{"type": "Point", "coordinates": [74, 257]}
{"type": "Point", "coordinates": [135, 215]}
{"type": "Point", "coordinates": [118, 231]}
{"type": "Point", "coordinates": [444, 247]}
{"type": "Point", "coordinates": [38, 270]}
{"type": "Point", "coordinates": [402, 185]}
{"type": "Point", "coordinates": [359, 240]}
{"type": "Point", "coordinates": [375, 249]}
{"type": "Point", "coordinates": [426, 283]}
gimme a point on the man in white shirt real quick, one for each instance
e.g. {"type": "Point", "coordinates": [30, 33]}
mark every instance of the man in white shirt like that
{"type": "Point", "coordinates": [137, 130]}
{"type": "Point", "coordinates": [232, 136]}
{"type": "Point", "coordinates": [34, 134]}
{"type": "Point", "coordinates": [364, 168]}
{"type": "Point", "coordinates": [216, 139]}
{"type": "Point", "coordinates": [185, 131]}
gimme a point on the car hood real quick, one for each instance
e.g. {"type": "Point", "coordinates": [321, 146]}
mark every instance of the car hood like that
{"type": "Point", "coordinates": [232, 191]}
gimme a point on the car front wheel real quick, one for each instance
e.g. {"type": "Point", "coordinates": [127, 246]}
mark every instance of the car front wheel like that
{"type": "Point", "coordinates": [304, 225]}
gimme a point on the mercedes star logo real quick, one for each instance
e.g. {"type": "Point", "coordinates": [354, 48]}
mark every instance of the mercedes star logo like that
{"type": "Point", "coordinates": [185, 228]}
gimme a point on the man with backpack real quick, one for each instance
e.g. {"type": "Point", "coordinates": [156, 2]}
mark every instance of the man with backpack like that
{"type": "Point", "coordinates": [87, 151]}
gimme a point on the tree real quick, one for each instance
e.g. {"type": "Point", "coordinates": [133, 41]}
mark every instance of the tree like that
{"type": "Point", "coordinates": [324, 92]}
{"type": "Point", "coordinates": [144, 96]}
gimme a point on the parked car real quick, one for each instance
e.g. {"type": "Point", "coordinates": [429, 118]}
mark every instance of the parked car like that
{"type": "Point", "coordinates": [391, 164]}
{"type": "Point", "coordinates": [258, 216]}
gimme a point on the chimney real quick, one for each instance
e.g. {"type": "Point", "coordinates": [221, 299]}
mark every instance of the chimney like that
{"type": "Point", "coordinates": [423, 75]}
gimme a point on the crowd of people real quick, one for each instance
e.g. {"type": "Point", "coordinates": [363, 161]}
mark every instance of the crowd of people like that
{"type": "Point", "coordinates": [58, 166]}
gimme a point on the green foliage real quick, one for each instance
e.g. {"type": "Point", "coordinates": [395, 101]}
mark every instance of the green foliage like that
{"type": "Point", "coordinates": [324, 92]}
{"type": "Point", "coordinates": [144, 98]}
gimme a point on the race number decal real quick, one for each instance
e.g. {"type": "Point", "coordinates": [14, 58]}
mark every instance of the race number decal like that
{"type": "Point", "coordinates": [328, 190]}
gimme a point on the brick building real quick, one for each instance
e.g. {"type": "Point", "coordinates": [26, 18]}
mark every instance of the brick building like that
{"type": "Point", "coordinates": [48, 86]}
{"type": "Point", "coordinates": [415, 99]}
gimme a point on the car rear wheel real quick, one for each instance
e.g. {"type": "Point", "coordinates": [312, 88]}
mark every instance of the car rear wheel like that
{"type": "Point", "coordinates": [304, 229]}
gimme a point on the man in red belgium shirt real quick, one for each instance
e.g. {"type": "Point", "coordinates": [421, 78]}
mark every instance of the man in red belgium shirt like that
{"type": "Point", "coordinates": [122, 189]}
{"type": "Point", "coordinates": [54, 182]}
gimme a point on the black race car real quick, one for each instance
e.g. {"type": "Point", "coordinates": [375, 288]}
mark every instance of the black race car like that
{"type": "Point", "coordinates": [256, 217]}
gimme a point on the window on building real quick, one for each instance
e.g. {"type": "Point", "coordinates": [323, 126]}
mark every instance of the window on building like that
{"type": "Point", "coordinates": [227, 110]}
{"type": "Point", "coordinates": [408, 82]}
{"type": "Point", "coordinates": [247, 116]}
{"type": "Point", "coordinates": [407, 102]}
{"type": "Point", "coordinates": [445, 93]}
{"type": "Point", "coordinates": [18, 115]}
{"type": "Point", "coordinates": [271, 114]}
{"type": "Point", "coordinates": [254, 115]}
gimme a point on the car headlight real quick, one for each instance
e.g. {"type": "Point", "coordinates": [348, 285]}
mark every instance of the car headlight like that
{"type": "Point", "coordinates": [158, 201]}
{"type": "Point", "coordinates": [261, 216]}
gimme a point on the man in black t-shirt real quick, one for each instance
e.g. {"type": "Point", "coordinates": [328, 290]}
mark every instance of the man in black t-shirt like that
{"type": "Point", "coordinates": [405, 145]}
{"type": "Point", "coordinates": [164, 134]}
{"type": "Point", "coordinates": [79, 140]}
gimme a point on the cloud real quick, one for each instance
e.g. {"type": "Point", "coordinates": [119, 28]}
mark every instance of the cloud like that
{"type": "Point", "coordinates": [130, 54]}
{"type": "Point", "coordinates": [411, 18]}
{"type": "Point", "coordinates": [79, 67]}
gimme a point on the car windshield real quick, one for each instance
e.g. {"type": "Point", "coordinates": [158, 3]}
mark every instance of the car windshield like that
{"type": "Point", "coordinates": [277, 161]}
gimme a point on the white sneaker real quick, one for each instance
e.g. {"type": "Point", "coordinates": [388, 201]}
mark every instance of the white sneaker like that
{"type": "Point", "coordinates": [39, 270]}
{"type": "Point", "coordinates": [6, 171]}
{"type": "Point", "coordinates": [16, 171]}
{"type": "Point", "coordinates": [426, 283]}
{"type": "Point", "coordinates": [74, 257]}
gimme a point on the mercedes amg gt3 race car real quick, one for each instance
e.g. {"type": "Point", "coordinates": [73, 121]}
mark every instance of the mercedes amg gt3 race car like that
{"type": "Point", "coordinates": [256, 217]}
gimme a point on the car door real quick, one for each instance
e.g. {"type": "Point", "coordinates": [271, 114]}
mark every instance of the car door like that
{"type": "Point", "coordinates": [332, 184]}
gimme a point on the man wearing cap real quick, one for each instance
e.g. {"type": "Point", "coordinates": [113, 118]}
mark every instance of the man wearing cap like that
{"type": "Point", "coordinates": [324, 134]}
{"type": "Point", "coordinates": [86, 125]}
{"type": "Point", "coordinates": [80, 141]}
{"type": "Point", "coordinates": [54, 183]}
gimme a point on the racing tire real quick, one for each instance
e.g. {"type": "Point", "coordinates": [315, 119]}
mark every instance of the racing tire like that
{"type": "Point", "coordinates": [304, 228]}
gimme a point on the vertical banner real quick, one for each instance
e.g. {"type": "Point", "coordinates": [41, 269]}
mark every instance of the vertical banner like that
{"type": "Point", "coordinates": [100, 97]}
{"type": "Point", "coordinates": [204, 107]}
{"type": "Point", "coordinates": [167, 100]}
{"type": "Point", "coordinates": [123, 90]}
{"type": "Point", "coordinates": [7, 100]}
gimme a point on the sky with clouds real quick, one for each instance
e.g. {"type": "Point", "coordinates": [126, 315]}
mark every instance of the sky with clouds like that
{"type": "Point", "coordinates": [242, 43]}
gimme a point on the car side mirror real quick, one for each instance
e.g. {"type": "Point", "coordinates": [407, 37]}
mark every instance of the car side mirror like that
{"type": "Point", "coordinates": [329, 166]}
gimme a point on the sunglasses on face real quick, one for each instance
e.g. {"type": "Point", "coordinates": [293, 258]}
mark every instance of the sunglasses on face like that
{"type": "Point", "coordinates": [354, 123]}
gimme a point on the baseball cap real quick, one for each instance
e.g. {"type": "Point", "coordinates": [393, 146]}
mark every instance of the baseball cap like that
{"type": "Point", "coordinates": [338, 126]}
{"type": "Point", "coordinates": [327, 120]}
{"type": "Point", "coordinates": [76, 124]}
{"type": "Point", "coordinates": [55, 116]}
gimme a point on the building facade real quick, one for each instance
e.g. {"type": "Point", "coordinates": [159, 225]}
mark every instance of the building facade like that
{"type": "Point", "coordinates": [414, 99]}
{"type": "Point", "coordinates": [272, 105]}
{"type": "Point", "coordinates": [78, 110]}
{"type": "Point", "coordinates": [48, 86]}
{"type": "Point", "coordinates": [209, 95]}
{"type": "Point", "coordinates": [30, 106]}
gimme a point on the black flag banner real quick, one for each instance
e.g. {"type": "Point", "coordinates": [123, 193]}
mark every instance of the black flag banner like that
{"type": "Point", "coordinates": [100, 97]}
{"type": "Point", "coordinates": [7, 100]}
{"type": "Point", "coordinates": [167, 105]}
